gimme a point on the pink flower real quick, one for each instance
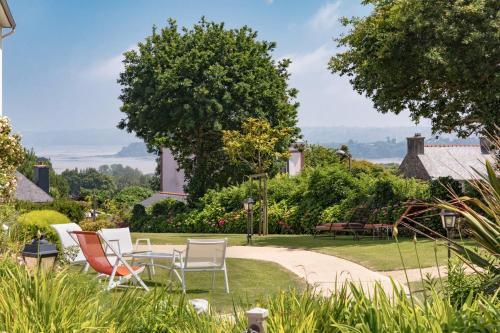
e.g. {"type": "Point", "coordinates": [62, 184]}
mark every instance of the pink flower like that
{"type": "Point", "coordinates": [221, 222]}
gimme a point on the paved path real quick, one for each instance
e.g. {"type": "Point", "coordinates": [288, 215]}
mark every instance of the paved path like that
{"type": "Point", "coordinates": [319, 270]}
{"type": "Point", "coordinates": [414, 273]}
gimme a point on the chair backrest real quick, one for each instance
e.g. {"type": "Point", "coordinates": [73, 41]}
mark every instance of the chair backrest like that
{"type": "Point", "coordinates": [205, 252]}
{"type": "Point", "coordinates": [67, 241]}
{"type": "Point", "coordinates": [119, 238]}
{"type": "Point", "coordinates": [92, 249]}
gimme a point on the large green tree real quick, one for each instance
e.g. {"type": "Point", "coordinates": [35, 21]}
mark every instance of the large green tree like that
{"type": "Point", "coordinates": [439, 59]}
{"type": "Point", "coordinates": [182, 87]}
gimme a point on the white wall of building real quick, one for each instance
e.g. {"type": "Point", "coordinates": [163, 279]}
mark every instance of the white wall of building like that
{"type": "Point", "coordinates": [295, 163]}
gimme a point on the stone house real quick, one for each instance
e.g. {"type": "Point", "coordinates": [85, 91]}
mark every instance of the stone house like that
{"type": "Point", "coordinates": [431, 161]}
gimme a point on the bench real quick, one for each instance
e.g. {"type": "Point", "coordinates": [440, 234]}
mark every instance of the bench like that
{"type": "Point", "coordinates": [351, 227]}
{"type": "Point", "coordinates": [357, 225]}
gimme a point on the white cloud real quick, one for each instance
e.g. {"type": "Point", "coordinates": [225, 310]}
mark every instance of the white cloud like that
{"type": "Point", "coordinates": [329, 100]}
{"type": "Point", "coordinates": [326, 17]}
{"type": "Point", "coordinates": [269, 2]}
{"type": "Point", "coordinates": [107, 69]}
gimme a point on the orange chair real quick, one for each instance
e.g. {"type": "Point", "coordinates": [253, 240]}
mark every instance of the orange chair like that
{"type": "Point", "coordinates": [93, 245]}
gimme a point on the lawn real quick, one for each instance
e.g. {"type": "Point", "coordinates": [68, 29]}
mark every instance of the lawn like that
{"type": "Point", "coordinates": [250, 282]}
{"type": "Point", "coordinates": [378, 254]}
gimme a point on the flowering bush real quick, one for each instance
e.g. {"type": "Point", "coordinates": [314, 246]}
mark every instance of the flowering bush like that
{"type": "Point", "coordinates": [11, 156]}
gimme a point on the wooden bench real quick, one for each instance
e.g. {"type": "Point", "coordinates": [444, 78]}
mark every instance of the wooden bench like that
{"type": "Point", "coordinates": [357, 225]}
{"type": "Point", "coordinates": [333, 228]}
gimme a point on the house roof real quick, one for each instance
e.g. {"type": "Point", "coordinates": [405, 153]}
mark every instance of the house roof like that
{"type": "Point", "coordinates": [28, 191]}
{"type": "Point", "coordinates": [456, 161]}
{"type": "Point", "coordinates": [6, 19]}
{"type": "Point", "coordinates": [157, 197]}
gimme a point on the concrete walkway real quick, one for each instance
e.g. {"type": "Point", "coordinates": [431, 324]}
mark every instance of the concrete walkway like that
{"type": "Point", "coordinates": [414, 273]}
{"type": "Point", "coordinates": [321, 271]}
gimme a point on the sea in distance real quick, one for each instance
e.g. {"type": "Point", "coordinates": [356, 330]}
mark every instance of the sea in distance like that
{"type": "Point", "coordinates": [92, 156]}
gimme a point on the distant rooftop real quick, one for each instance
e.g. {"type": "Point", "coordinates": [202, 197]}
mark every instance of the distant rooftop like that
{"type": "Point", "coordinates": [458, 161]}
{"type": "Point", "coordinates": [431, 161]}
{"type": "Point", "coordinates": [28, 191]}
{"type": "Point", "coordinates": [157, 197]}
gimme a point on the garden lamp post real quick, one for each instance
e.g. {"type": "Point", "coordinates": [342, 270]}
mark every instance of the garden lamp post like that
{"type": "Point", "coordinates": [448, 220]}
{"type": "Point", "coordinates": [248, 206]}
{"type": "Point", "coordinates": [40, 254]}
{"type": "Point", "coordinates": [343, 153]}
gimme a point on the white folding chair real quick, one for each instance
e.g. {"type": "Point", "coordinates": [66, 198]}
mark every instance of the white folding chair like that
{"type": "Point", "coordinates": [121, 240]}
{"type": "Point", "coordinates": [201, 255]}
{"type": "Point", "coordinates": [68, 242]}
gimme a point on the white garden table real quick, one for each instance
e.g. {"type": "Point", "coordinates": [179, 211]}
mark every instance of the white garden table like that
{"type": "Point", "coordinates": [149, 257]}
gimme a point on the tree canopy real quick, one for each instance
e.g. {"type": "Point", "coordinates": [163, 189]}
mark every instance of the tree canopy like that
{"type": "Point", "coordinates": [182, 87]}
{"type": "Point", "coordinates": [439, 59]}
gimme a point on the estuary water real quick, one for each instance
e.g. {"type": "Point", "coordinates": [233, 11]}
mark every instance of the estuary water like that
{"type": "Point", "coordinates": [81, 157]}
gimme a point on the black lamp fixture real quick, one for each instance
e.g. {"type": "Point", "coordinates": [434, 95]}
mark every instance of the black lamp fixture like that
{"type": "Point", "coordinates": [40, 254]}
{"type": "Point", "coordinates": [248, 206]}
{"type": "Point", "coordinates": [448, 221]}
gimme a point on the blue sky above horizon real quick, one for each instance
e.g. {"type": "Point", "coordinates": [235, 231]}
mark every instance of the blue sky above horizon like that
{"type": "Point", "coordinates": [61, 65]}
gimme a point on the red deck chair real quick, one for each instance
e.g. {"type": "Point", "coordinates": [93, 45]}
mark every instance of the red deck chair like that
{"type": "Point", "coordinates": [93, 245]}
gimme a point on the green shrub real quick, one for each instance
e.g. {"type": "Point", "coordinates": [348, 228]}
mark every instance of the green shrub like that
{"type": "Point", "coordinates": [132, 195]}
{"type": "Point", "coordinates": [295, 204]}
{"type": "Point", "coordinates": [100, 223]}
{"type": "Point", "coordinates": [74, 210]}
{"type": "Point", "coordinates": [168, 207]}
{"type": "Point", "coordinates": [30, 224]}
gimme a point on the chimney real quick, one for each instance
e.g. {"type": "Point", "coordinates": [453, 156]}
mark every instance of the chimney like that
{"type": "Point", "coordinates": [485, 145]}
{"type": "Point", "coordinates": [42, 177]}
{"type": "Point", "coordinates": [415, 144]}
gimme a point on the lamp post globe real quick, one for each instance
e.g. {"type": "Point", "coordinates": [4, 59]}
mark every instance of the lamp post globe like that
{"type": "Point", "coordinates": [448, 220]}
{"type": "Point", "coordinates": [248, 206]}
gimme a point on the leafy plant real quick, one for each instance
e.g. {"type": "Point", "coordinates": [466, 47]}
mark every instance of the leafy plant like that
{"type": "Point", "coordinates": [11, 156]}
{"type": "Point", "coordinates": [74, 210]}
{"type": "Point", "coordinates": [100, 223]}
{"type": "Point", "coordinates": [257, 145]}
{"type": "Point", "coordinates": [29, 225]}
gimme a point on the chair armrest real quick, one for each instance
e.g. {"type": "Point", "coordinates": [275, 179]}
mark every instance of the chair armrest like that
{"type": "Point", "coordinates": [146, 240]}
{"type": "Point", "coordinates": [177, 257]}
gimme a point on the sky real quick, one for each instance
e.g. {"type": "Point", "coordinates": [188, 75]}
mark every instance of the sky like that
{"type": "Point", "coordinates": [61, 65]}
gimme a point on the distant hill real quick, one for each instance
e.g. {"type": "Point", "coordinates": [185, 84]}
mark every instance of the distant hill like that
{"type": "Point", "coordinates": [135, 149]}
{"type": "Point", "coordinates": [364, 134]}
{"type": "Point", "coordinates": [389, 148]}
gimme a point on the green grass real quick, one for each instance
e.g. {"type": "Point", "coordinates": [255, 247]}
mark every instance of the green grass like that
{"type": "Point", "coordinates": [378, 254]}
{"type": "Point", "coordinates": [250, 283]}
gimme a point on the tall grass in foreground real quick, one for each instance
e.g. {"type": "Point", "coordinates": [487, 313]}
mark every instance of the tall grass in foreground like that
{"type": "Point", "coordinates": [65, 302]}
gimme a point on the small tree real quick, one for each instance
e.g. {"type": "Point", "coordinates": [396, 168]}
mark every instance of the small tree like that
{"type": "Point", "coordinates": [11, 156]}
{"type": "Point", "coordinates": [259, 147]}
